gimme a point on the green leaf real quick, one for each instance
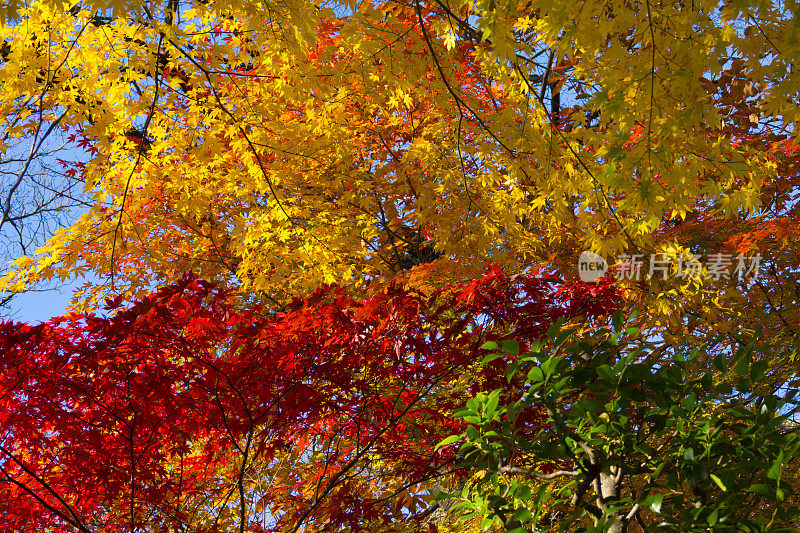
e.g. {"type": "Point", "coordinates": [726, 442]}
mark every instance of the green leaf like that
{"type": "Point", "coordinates": [761, 489]}
{"type": "Point", "coordinates": [707, 381]}
{"type": "Point", "coordinates": [776, 469]}
{"type": "Point", "coordinates": [606, 373]}
{"type": "Point", "coordinates": [492, 403]}
{"type": "Point", "coordinates": [653, 501]}
{"type": "Point", "coordinates": [549, 365]}
{"type": "Point", "coordinates": [657, 471]}
{"type": "Point", "coordinates": [720, 363]}
{"type": "Point", "coordinates": [522, 515]}
{"type": "Point", "coordinates": [444, 496]}
{"type": "Point", "coordinates": [511, 347]}
{"type": "Point", "coordinates": [742, 366]}
{"type": "Point", "coordinates": [449, 440]}
{"type": "Point", "coordinates": [757, 370]}
{"type": "Point", "coordinates": [553, 330]}
{"type": "Point", "coordinates": [491, 345]}
{"type": "Point", "coordinates": [491, 357]}
{"type": "Point", "coordinates": [591, 403]}
{"type": "Point", "coordinates": [512, 370]}
{"type": "Point", "coordinates": [719, 482]}
{"type": "Point", "coordinates": [617, 320]}
{"type": "Point", "coordinates": [487, 522]}
{"type": "Point", "coordinates": [535, 375]}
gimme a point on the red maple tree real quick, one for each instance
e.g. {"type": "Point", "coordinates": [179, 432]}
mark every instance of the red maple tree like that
{"type": "Point", "coordinates": [184, 413]}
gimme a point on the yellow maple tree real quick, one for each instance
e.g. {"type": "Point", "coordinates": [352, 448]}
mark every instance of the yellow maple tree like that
{"type": "Point", "coordinates": [287, 146]}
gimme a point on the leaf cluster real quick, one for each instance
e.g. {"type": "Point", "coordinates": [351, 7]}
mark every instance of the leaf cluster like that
{"type": "Point", "coordinates": [628, 441]}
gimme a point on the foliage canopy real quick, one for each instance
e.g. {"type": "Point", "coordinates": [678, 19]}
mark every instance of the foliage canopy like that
{"type": "Point", "coordinates": [369, 160]}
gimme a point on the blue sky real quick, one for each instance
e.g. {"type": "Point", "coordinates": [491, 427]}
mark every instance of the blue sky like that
{"type": "Point", "coordinates": [36, 307]}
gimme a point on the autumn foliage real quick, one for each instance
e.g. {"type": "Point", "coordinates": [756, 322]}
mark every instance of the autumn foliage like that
{"type": "Point", "coordinates": [182, 412]}
{"type": "Point", "coordinates": [337, 177]}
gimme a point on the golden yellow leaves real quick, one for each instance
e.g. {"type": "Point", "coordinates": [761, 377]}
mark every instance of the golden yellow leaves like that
{"type": "Point", "coordinates": [537, 126]}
